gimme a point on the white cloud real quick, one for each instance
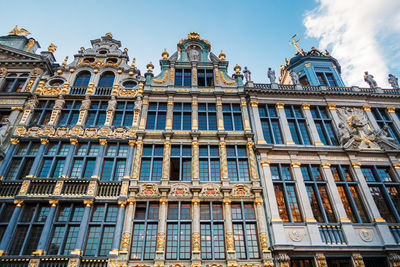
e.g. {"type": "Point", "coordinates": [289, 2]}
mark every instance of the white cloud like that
{"type": "Point", "coordinates": [357, 33]}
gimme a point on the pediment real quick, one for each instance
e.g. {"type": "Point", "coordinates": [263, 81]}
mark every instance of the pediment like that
{"type": "Point", "coordinates": [11, 54]}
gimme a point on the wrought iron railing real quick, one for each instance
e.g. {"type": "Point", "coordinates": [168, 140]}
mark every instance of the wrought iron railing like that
{"type": "Point", "coordinates": [332, 234]}
{"type": "Point", "coordinates": [74, 187]}
{"type": "Point", "coordinates": [103, 91]}
{"type": "Point", "coordinates": [109, 189]}
{"type": "Point", "coordinates": [9, 189]}
{"type": "Point", "coordinates": [41, 187]}
{"type": "Point", "coordinates": [77, 90]}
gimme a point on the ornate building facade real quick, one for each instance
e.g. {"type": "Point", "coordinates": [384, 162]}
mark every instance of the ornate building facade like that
{"type": "Point", "coordinates": [193, 166]}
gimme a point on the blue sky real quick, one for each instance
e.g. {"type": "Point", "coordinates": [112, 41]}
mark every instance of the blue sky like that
{"type": "Point", "coordinates": [251, 33]}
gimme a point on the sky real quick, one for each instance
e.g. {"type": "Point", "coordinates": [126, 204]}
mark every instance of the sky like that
{"type": "Point", "coordinates": [362, 34]}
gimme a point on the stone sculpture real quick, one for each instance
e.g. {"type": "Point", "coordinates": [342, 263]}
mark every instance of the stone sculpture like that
{"type": "Point", "coordinates": [247, 74]}
{"type": "Point", "coordinates": [271, 75]}
{"type": "Point", "coordinates": [394, 81]}
{"type": "Point", "coordinates": [294, 77]}
{"type": "Point", "coordinates": [368, 78]}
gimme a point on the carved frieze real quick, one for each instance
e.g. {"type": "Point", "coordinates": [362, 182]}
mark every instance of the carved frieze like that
{"type": "Point", "coordinates": [180, 190]}
{"type": "Point", "coordinates": [241, 190]}
{"type": "Point", "coordinates": [148, 190]}
{"type": "Point", "coordinates": [210, 190]}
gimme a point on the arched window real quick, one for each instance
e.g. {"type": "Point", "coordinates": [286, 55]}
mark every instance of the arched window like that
{"type": "Point", "coordinates": [129, 84]}
{"type": "Point", "coordinates": [14, 83]}
{"type": "Point", "coordinates": [56, 82]}
{"type": "Point", "coordinates": [107, 80]}
{"type": "Point", "coordinates": [82, 80]}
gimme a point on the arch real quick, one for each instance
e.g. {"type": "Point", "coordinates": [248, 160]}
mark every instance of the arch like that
{"type": "Point", "coordinates": [107, 79]}
{"type": "Point", "coordinates": [56, 82]}
{"type": "Point", "coordinates": [129, 84]}
{"type": "Point", "coordinates": [82, 79]}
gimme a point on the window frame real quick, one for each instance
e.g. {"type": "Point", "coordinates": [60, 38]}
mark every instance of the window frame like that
{"type": "Point", "coordinates": [106, 80]}
{"type": "Point", "coordinates": [153, 157]}
{"type": "Point", "coordinates": [182, 158]}
{"type": "Point", "coordinates": [208, 77]}
{"type": "Point", "coordinates": [209, 158]}
{"type": "Point", "coordinates": [326, 130]}
{"type": "Point", "coordinates": [298, 137]}
{"type": "Point", "coordinates": [186, 77]}
{"type": "Point", "coordinates": [160, 116]}
{"type": "Point", "coordinates": [41, 113]}
{"type": "Point", "coordinates": [209, 115]}
{"type": "Point", "coordinates": [269, 123]}
{"type": "Point", "coordinates": [70, 112]}
{"type": "Point", "coordinates": [382, 117]}
{"type": "Point", "coordinates": [125, 112]}
{"type": "Point", "coordinates": [238, 160]}
{"type": "Point", "coordinates": [99, 112]}
{"type": "Point", "coordinates": [84, 83]}
{"type": "Point", "coordinates": [16, 83]}
{"type": "Point", "coordinates": [231, 113]}
{"type": "Point", "coordinates": [54, 158]}
{"type": "Point", "coordinates": [184, 110]}
{"type": "Point", "coordinates": [25, 158]}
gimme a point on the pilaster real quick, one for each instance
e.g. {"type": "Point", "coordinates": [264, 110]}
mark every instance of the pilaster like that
{"type": "Point", "coordinates": [145, 109]}
{"type": "Point", "coordinates": [137, 160]}
{"type": "Point", "coordinates": [220, 115]}
{"type": "Point", "coordinates": [224, 163]}
{"type": "Point", "coordinates": [166, 162]}
{"type": "Point", "coordinates": [371, 118]}
{"type": "Point", "coordinates": [170, 113]}
{"type": "Point", "coordinates": [287, 137]}
{"type": "Point", "coordinates": [310, 121]}
{"type": "Point", "coordinates": [259, 134]}
{"type": "Point", "coordinates": [195, 114]}
{"type": "Point", "coordinates": [195, 163]}
{"type": "Point", "coordinates": [127, 229]}
{"type": "Point", "coordinates": [245, 114]}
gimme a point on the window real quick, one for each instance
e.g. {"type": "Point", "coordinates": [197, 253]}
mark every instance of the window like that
{"type": "Point", "coordinates": [326, 78]}
{"type": "Point", "coordinates": [183, 77]}
{"type": "Point", "coordinates": [22, 160]}
{"type": "Point", "coordinates": [56, 82]}
{"type": "Point", "coordinates": [385, 189]}
{"type": "Point", "coordinates": [384, 120]}
{"type": "Point", "coordinates": [181, 160]}
{"type": "Point", "coordinates": [304, 81]}
{"type": "Point", "coordinates": [179, 222]}
{"type": "Point", "coordinates": [42, 113]}
{"type": "Point", "coordinates": [28, 229]}
{"type": "Point", "coordinates": [70, 113]}
{"type": "Point", "coordinates": [182, 116]}
{"type": "Point", "coordinates": [65, 229]}
{"type": "Point", "coordinates": [238, 168]}
{"type": "Point", "coordinates": [152, 160]}
{"type": "Point", "coordinates": [101, 230]}
{"type": "Point", "coordinates": [205, 78]}
{"type": "Point", "coordinates": [270, 124]}
{"type": "Point", "coordinates": [4, 115]}
{"type": "Point", "coordinates": [232, 117]}
{"type": "Point", "coordinates": [207, 117]}
{"type": "Point", "coordinates": [6, 211]}
{"type": "Point", "coordinates": [285, 193]}
{"type": "Point", "coordinates": [14, 83]}
{"type": "Point", "coordinates": [209, 163]}
{"type": "Point", "coordinates": [297, 125]}
{"type": "Point", "coordinates": [54, 160]}
{"type": "Point", "coordinates": [97, 114]}
{"type": "Point", "coordinates": [145, 226]}
{"type": "Point", "coordinates": [318, 194]}
{"type": "Point", "coordinates": [124, 114]}
{"type": "Point", "coordinates": [84, 160]}
{"type": "Point", "coordinates": [212, 231]}
{"type": "Point", "coordinates": [156, 116]}
{"type": "Point", "coordinates": [339, 262]}
{"type": "Point", "coordinates": [348, 191]}
{"type": "Point", "coordinates": [82, 80]}
{"type": "Point", "coordinates": [323, 123]}
{"type": "Point", "coordinates": [129, 84]}
{"type": "Point", "coordinates": [114, 163]}
{"type": "Point", "coordinates": [107, 80]}
{"type": "Point", "coordinates": [245, 231]}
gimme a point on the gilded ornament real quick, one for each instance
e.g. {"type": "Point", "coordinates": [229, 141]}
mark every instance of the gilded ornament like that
{"type": "Point", "coordinates": [321, 261]}
{"type": "Point", "coordinates": [125, 239]}
{"type": "Point", "coordinates": [29, 84]}
{"type": "Point", "coordinates": [358, 260]}
{"type": "Point", "coordinates": [391, 109]}
{"type": "Point", "coordinates": [222, 56]}
{"type": "Point", "coordinates": [52, 48]}
{"type": "Point", "coordinates": [331, 106]}
{"type": "Point", "coordinates": [356, 164]}
{"type": "Point", "coordinates": [366, 107]}
{"type": "Point", "coordinates": [53, 203]}
{"type": "Point", "coordinates": [19, 203]}
{"type": "Point", "coordinates": [122, 203]}
{"type": "Point", "coordinates": [165, 54]}
{"type": "Point", "coordinates": [265, 162]}
{"type": "Point", "coordinates": [31, 43]}
{"type": "Point", "coordinates": [306, 106]}
{"type": "Point", "coordinates": [225, 81]}
{"type": "Point", "coordinates": [258, 201]}
{"type": "Point", "coordinates": [253, 103]}
{"type": "Point", "coordinates": [35, 263]}
{"type": "Point", "coordinates": [196, 242]}
{"type": "Point", "coordinates": [227, 201]}
{"type": "Point", "coordinates": [57, 188]}
{"type": "Point", "coordinates": [264, 241]}
{"type": "Point", "coordinates": [237, 69]}
{"type": "Point", "coordinates": [150, 67]}
{"type": "Point", "coordinates": [124, 188]}
{"type": "Point", "coordinates": [24, 187]}
{"type": "Point", "coordinates": [194, 76]}
{"type": "Point", "coordinates": [163, 200]}
{"type": "Point", "coordinates": [15, 141]}
{"type": "Point", "coordinates": [19, 32]}
{"type": "Point", "coordinates": [296, 164]}
{"type": "Point", "coordinates": [44, 141]}
{"type": "Point", "coordinates": [91, 188]}
{"type": "Point", "coordinates": [3, 71]}
{"type": "Point", "coordinates": [160, 241]}
{"type": "Point", "coordinates": [171, 75]}
{"type": "Point", "coordinates": [230, 245]}
{"type": "Point", "coordinates": [325, 165]}
{"type": "Point", "coordinates": [280, 105]}
{"type": "Point", "coordinates": [88, 203]}
{"type": "Point", "coordinates": [195, 201]}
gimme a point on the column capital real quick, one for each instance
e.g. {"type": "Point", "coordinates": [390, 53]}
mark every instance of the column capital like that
{"type": "Point", "coordinates": [306, 106]}
{"type": "Point", "coordinates": [227, 201]}
{"type": "Point", "coordinates": [194, 102]}
{"type": "Point", "coordinates": [195, 144]}
{"type": "Point", "coordinates": [325, 165]}
{"type": "Point", "coordinates": [356, 165]}
{"type": "Point", "coordinates": [391, 109]}
{"type": "Point", "coordinates": [253, 103]}
{"type": "Point", "coordinates": [396, 165]}
{"type": "Point", "coordinates": [379, 220]}
{"type": "Point", "coordinates": [258, 201]}
{"type": "Point", "coordinates": [14, 141]}
{"type": "Point", "coordinates": [366, 107]}
{"type": "Point", "coordinates": [131, 142]}
{"type": "Point", "coordinates": [19, 203]}
{"type": "Point", "coordinates": [195, 201]}
{"type": "Point", "coordinates": [73, 141]}
{"type": "Point", "coordinates": [17, 108]}
{"type": "Point", "coordinates": [331, 106]}
{"type": "Point", "coordinates": [44, 141]}
{"type": "Point", "coordinates": [243, 103]}
{"type": "Point", "coordinates": [170, 101]}
{"type": "Point", "coordinates": [296, 164]}
{"type": "Point", "coordinates": [163, 200]}
{"type": "Point", "coordinates": [265, 162]}
{"type": "Point", "coordinates": [88, 203]}
{"type": "Point", "coordinates": [222, 144]}
{"type": "Point", "coordinates": [131, 201]}
{"type": "Point", "coordinates": [53, 203]}
{"type": "Point", "coordinates": [280, 105]}
{"type": "Point", "coordinates": [145, 102]}
{"type": "Point", "coordinates": [219, 103]}
{"type": "Point", "coordinates": [103, 141]}
{"type": "Point", "coordinates": [122, 203]}
{"type": "Point", "coordinates": [167, 144]}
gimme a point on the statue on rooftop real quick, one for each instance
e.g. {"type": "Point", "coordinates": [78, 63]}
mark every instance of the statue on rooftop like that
{"type": "Point", "coordinates": [194, 54]}
{"type": "Point", "coordinates": [247, 74]}
{"type": "Point", "coordinates": [394, 81]}
{"type": "Point", "coordinates": [295, 77]}
{"type": "Point", "coordinates": [271, 75]}
{"type": "Point", "coordinates": [368, 78]}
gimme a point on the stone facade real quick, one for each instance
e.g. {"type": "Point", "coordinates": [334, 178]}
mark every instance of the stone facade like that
{"type": "Point", "coordinates": [194, 166]}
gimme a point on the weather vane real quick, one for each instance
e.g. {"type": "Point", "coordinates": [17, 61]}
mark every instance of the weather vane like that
{"type": "Point", "coordinates": [294, 42]}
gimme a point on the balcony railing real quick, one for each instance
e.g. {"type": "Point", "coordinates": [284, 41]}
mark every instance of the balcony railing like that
{"type": "Point", "coordinates": [18, 262]}
{"type": "Point", "coordinates": [109, 189]}
{"type": "Point", "coordinates": [77, 90]}
{"type": "Point", "coordinates": [41, 187]}
{"type": "Point", "coordinates": [103, 91]}
{"type": "Point", "coordinates": [75, 187]}
{"type": "Point", "coordinates": [332, 234]}
{"type": "Point", "coordinates": [93, 263]}
{"type": "Point", "coordinates": [9, 189]}
{"type": "Point", "coordinates": [54, 262]}
{"type": "Point", "coordinates": [395, 229]}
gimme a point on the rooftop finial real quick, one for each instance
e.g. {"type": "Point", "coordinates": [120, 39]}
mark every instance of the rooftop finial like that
{"type": "Point", "coordinates": [133, 63]}
{"type": "Point", "coordinates": [109, 34]}
{"type": "Point", "coordinates": [165, 54]}
{"type": "Point", "coordinates": [295, 42]}
{"type": "Point", "coordinates": [52, 48]}
{"type": "Point", "coordinates": [19, 32]}
{"type": "Point", "coordinates": [65, 61]}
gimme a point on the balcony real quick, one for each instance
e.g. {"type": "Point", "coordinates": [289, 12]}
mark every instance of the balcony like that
{"type": "Point", "coordinates": [109, 189]}
{"type": "Point", "coordinates": [77, 90]}
{"type": "Point", "coordinates": [332, 234]}
{"type": "Point", "coordinates": [9, 189]}
{"type": "Point", "coordinates": [103, 91]}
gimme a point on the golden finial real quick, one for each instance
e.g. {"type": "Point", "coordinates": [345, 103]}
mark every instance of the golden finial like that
{"type": "Point", "coordinates": [82, 49]}
{"type": "Point", "coordinates": [295, 43]}
{"type": "Point", "coordinates": [65, 61]}
{"type": "Point", "coordinates": [126, 50]}
{"type": "Point", "coordinates": [133, 63]}
{"type": "Point", "coordinates": [150, 67]}
{"type": "Point", "coordinates": [19, 32]}
{"type": "Point", "coordinates": [237, 69]}
{"type": "Point", "coordinates": [52, 48]}
{"type": "Point", "coordinates": [165, 54]}
{"type": "Point", "coordinates": [109, 34]}
{"type": "Point", "coordinates": [193, 35]}
{"type": "Point", "coordinates": [222, 56]}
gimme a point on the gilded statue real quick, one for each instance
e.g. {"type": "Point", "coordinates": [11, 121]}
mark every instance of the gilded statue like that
{"type": "Point", "coordinates": [19, 32]}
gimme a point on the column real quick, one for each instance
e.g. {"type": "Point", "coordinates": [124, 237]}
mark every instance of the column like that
{"type": "Point", "coordinates": [170, 113]}
{"type": "Point", "coordinates": [194, 74]}
{"type": "Point", "coordinates": [334, 115]}
{"type": "Point", "coordinates": [137, 160]}
{"type": "Point", "coordinates": [112, 105]}
{"type": "Point", "coordinates": [162, 225]}
{"type": "Point", "coordinates": [245, 114]}
{"type": "Point", "coordinates": [136, 112]}
{"type": "Point", "coordinates": [118, 228]}
{"type": "Point", "coordinates": [59, 105]}
{"type": "Point", "coordinates": [127, 229]}
{"type": "Point", "coordinates": [393, 116]}
{"type": "Point", "coordinates": [223, 163]}
{"type": "Point", "coordinates": [83, 111]}
{"type": "Point", "coordinates": [311, 124]}
{"type": "Point", "coordinates": [145, 108]}
{"type": "Point", "coordinates": [97, 168]}
{"type": "Point", "coordinates": [195, 163]}
{"type": "Point", "coordinates": [305, 205]}
{"type": "Point", "coordinates": [129, 159]}
{"type": "Point", "coordinates": [44, 237]}
{"type": "Point", "coordinates": [371, 118]}
{"type": "Point", "coordinates": [287, 137]}
{"type": "Point", "coordinates": [69, 158]}
{"type": "Point", "coordinates": [261, 223]}
{"type": "Point", "coordinates": [8, 157]}
{"type": "Point", "coordinates": [36, 163]}
{"type": "Point", "coordinates": [220, 115]}
{"type": "Point", "coordinates": [252, 164]}
{"type": "Point", "coordinates": [195, 114]}
{"type": "Point", "coordinates": [10, 227]}
{"type": "Point", "coordinates": [83, 228]}
{"type": "Point", "coordinates": [196, 229]}
{"type": "Point", "coordinates": [230, 243]}
{"type": "Point", "coordinates": [166, 163]}
{"type": "Point", "coordinates": [257, 121]}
